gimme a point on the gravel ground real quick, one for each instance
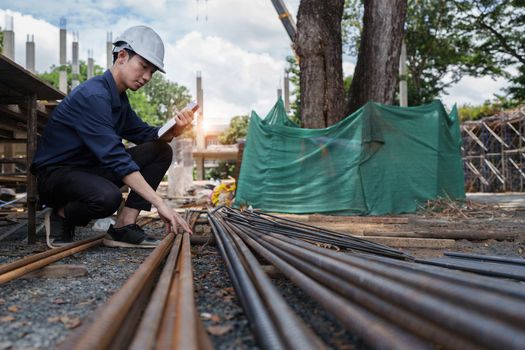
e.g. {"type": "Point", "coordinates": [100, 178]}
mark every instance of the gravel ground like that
{"type": "Point", "coordinates": [39, 313]}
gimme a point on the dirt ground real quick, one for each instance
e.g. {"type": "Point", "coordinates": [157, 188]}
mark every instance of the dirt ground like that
{"type": "Point", "coordinates": [39, 313]}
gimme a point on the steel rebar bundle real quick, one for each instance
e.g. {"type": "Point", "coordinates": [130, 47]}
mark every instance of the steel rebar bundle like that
{"type": "Point", "coordinates": [137, 318]}
{"type": "Point", "coordinates": [388, 302]}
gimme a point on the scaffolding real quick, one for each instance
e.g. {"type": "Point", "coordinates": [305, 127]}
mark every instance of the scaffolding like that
{"type": "Point", "coordinates": [494, 152]}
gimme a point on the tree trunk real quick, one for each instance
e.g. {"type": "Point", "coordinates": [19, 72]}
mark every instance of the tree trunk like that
{"type": "Point", "coordinates": [376, 74]}
{"type": "Point", "coordinates": [318, 45]}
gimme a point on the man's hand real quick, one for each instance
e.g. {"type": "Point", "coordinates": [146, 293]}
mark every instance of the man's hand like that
{"type": "Point", "coordinates": [172, 219]}
{"type": "Point", "coordinates": [183, 119]}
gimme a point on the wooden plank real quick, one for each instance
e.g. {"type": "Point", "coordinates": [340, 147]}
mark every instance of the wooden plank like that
{"type": "Point", "coordinates": [401, 242]}
{"type": "Point", "coordinates": [447, 234]}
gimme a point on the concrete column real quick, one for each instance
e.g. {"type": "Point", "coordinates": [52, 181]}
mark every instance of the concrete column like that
{"type": "Point", "coordinates": [75, 69]}
{"type": "Point", "coordinates": [30, 53]}
{"type": "Point", "coordinates": [9, 51]}
{"type": "Point", "coordinates": [8, 45]}
{"type": "Point", "coordinates": [286, 92]}
{"type": "Point", "coordinates": [62, 74]}
{"type": "Point", "coordinates": [200, 130]}
{"type": "Point", "coordinates": [403, 90]}
{"type": "Point", "coordinates": [109, 50]}
{"type": "Point", "coordinates": [200, 115]}
{"type": "Point", "coordinates": [90, 65]}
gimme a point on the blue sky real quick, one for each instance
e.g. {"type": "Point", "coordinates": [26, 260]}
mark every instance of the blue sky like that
{"type": "Point", "coordinates": [240, 49]}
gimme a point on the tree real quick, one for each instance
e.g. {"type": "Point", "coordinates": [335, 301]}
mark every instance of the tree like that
{"type": "Point", "coordinates": [318, 45]}
{"type": "Point", "coordinates": [52, 76]}
{"type": "Point", "coordinates": [140, 103]}
{"type": "Point", "coordinates": [294, 76]}
{"type": "Point", "coordinates": [441, 48]}
{"type": "Point", "coordinates": [497, 27]}
{"type": "Point", "coordinates": [1, 39]}
{"type": "Point", "coordinates": [376, 73]}
{"type": "Point", "coordinates": [439, 51]}
{"type": "Point", "coordinates": [164, 95]}
{"type": "Point", "coordinates": [238, 129]}
{"type": "Point", "coordinates": [153, 103]}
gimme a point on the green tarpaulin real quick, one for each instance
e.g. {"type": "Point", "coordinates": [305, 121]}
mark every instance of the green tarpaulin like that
{"type": "Point", "coordinates": [379, 160]}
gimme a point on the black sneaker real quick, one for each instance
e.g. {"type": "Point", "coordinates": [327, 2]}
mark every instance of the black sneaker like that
{"type": "Point", "coordinates": [58, 231]}
{"type": "Point", "coordinates": [129, 236]}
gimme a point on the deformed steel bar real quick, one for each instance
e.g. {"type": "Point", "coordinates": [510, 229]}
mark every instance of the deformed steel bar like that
{"type": "Point", "coordinates": [264, 328]}
{"type": "Point", "coordinates": [305, 231]}
{"type": "Point", "coordinates": [20, 267]}
{"type": "Point", "coordinates": [111, 315]}
{"type": "Point", "coordinates": [470, 323]}
{"type": "Point", "coordinates": [293, 330]}
{"type": "Point", "coordinates": [145, 337]}
{"type": "Point", "coordinates": [501, 259]}
{"type": "Point", "coordinates": [484, 268]}
{"type": "Point", "coordinates": [504, 307]}
{"type": "Point", "coordinates": [480, 282]}
{"type": "Point", "coordinates": [393, 313]}
{"type": "Point", "coordinates": [186, 329]}
{"type": "Point", "coordinates": [376, 332]}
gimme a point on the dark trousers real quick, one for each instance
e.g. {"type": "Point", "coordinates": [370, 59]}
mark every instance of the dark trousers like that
{"type": "Point", "coordinates": [88, 193]}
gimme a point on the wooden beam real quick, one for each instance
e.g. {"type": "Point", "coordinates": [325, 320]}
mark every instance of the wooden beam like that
{"type": "Point", "coordinates": [12, 140]}
{"type": "Point", "coordinates": [31, 180]}
{"type": "Point", "coordinates": [475, 138]}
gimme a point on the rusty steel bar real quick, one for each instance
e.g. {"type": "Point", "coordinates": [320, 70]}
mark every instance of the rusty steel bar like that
{"type": "Point", "coordinates": [21, 267]}
{"type": "Point", "coordinates": [468, 296]}
{"type": "Point", "coordinates": [32, 258]}
{"type": "Point", "coordinates": [469, 323]}
{"type": "Point", "coordinates": [293, 330]}
{"type": "Point", "coordinates": [395, 314]}
{"type": "Point", "coordinates": [110, 316]}
{"type": "Point", "coordinates": [372, 329]}
{"type": "Point", "coordinates": [145, 338]}
{"type": "Point", "coordinates": [480, 282]}
{"type": "Point", "coordinates": [264, 328]}
{"type": "Point", "coordinates": [185, 330]}
{"type": "Point", "coordinates": [501, 259]}
{"type": "Point", "coordinates": [308, 232]}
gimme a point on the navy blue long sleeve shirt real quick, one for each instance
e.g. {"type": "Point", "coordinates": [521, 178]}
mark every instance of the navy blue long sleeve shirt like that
{"type": "Point", "coordinates": [87, 128]}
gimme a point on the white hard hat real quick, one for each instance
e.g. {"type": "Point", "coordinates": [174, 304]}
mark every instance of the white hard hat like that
{"type": "Point", "coordinates": [145, 42]}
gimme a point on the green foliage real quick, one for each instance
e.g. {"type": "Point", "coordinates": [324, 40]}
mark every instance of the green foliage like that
{"type": "Point", "coordinates": [1, 39]}
{"type": "Point", "coordinates": [52, 76]}
{"type": "Point", "coordinates": [238, 129]}
{"type": "Point", "coordinates": [496, 28]}
{"type": "Point", "coordinates": [153, 103]}
{"type": "Point", "coordinates": [352, 26]}
{"type": "Point", "coordinates": [222, 171]}
{"type": "Point", "coordinates": [164, 95]}
{"type": "Point", "coordinates": [146, 110]}
{"type": "Point", "coordinates": [439, 50]}
{"type": "Point", "coordinates": [295, 92]}
{"type": "Point", "coordinates": [447, 40]}
{"type": "Point", "coordinates": [487, 109]}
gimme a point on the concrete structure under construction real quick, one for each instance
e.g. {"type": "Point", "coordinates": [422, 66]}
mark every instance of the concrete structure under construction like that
{"type": "Point", "coordinates": [286, 92]}
{"type": "Point", "coordinates": [62, 74]}
{"type": "Point", "coordinates": [109, 49]}
{"type": "Point", "coordinates": [8, 46]}
{"type": "Point", "coordinates": [90, 65]}
{"type": "Point", "coordinates": [30, 53]}
{"type": "Point", "coordinates": [200, 130]}
{"type": "Point", "coordinates": [75, 66]}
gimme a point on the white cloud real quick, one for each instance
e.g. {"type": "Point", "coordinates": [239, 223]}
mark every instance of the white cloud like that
{"type": "Point", "coordinates": [242, 80]}
{"type": "Point", "coordinates": [473, 91]}
{"type": "Point", "coordinates": [240, 49]}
